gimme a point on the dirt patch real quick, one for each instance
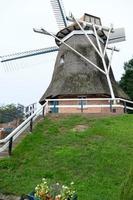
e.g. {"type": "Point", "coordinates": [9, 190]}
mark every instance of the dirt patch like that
{"type": "Point", "coordinates": [80, 128]}
{"type": "Point", "coordinates": [96, 138]}
{"type": "Point", "coordinates": [8, 197]}
{"type": "Point", "coordinates": [58, 116]}
{"type": "Point", "coordinates": [63, 129]}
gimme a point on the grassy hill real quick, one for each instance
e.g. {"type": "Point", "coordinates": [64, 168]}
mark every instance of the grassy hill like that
{"type": "Point", "coordinates": [94, 153]}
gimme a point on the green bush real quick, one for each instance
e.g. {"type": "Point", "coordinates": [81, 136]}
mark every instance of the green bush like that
{"type": "Point", "coordinates": [127, 188]}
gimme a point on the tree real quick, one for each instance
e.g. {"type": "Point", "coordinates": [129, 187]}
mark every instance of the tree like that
{"type": "Point", "coordinates": [126, 81]}
{"type": "Point", "coordinates": [10, 112]}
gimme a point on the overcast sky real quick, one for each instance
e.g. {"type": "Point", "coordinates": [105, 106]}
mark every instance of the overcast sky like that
{"type": "Point", "coordinates": [26, 80]}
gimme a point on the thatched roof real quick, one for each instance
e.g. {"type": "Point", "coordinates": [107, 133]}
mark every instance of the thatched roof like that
{"type": "Point", "coordinates": [77, 77]}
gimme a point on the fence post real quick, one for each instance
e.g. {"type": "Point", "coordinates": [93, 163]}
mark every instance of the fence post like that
{"type": "Point", "coordinates": [10, 146]}
{"type": "Point", "coordinates": [43, 112]}
{"type": "Point", "coordinates": [125, 107]}
{"type": "Point", "coordinates": [82, 105]}
{"type": "Point", "coordinates": [111, 109]}
{"type": "Point", "coordinates": [31, 124]}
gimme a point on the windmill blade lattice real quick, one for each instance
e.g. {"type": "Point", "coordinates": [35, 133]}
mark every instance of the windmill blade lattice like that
{"type": "Point", "coordinates": [59, 12]}
{"type": "Point", "coordinates": [25, 54]}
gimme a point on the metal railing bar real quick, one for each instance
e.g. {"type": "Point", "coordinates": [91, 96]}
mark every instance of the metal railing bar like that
{"type": "Point", "coordinates": [86, 106]}
{"type": "Point", "coordinates": [128, 101]}
{"type": "Point", "coordinates": [4, 147]}
{"type": "Point", "coordinates": [129, 108]}
{"type": "Point", "coordinates": [22, 125]}
{"type": "Point", "coordinates": [93, 99]}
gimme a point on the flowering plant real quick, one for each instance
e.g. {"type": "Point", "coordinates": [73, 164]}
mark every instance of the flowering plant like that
{"type": "Point", "coordinates": [44, 191]}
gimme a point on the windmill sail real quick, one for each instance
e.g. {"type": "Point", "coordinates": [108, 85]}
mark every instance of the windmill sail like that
{"type": "Point", "coordinates": [117, 36]}
{"type": "Point", "coordinates": [25, 54]}
{"type": "Point", "coordinates": [59, 13]}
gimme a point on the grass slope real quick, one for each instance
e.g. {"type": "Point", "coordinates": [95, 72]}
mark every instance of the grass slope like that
{"type": "Point", "coordinates": [96, 159]}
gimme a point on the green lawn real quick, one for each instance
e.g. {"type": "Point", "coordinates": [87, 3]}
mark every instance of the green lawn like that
{"type": "Point", "coordinates": [97, 159]}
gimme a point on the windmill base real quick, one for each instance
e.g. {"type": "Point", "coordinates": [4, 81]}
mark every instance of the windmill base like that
{"type": "Point", "coordinates": [85, 106]}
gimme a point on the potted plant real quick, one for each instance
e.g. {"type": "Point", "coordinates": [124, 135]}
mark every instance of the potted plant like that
{"type": "Point", "coordinates": [44, 191]}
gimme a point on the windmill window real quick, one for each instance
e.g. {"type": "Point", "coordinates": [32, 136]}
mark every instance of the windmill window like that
{"type": "Point", "coordinates": [92, 19]}
{"type": "Point", "coordinates": [62, 60]}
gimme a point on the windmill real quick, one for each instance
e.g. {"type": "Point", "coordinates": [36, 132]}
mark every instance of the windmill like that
{"type": "Point", "coordinates": [82, 68]}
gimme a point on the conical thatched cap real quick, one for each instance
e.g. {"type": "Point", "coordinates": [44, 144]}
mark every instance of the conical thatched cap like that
{"type": "Point", "coordinates": [73, 76]}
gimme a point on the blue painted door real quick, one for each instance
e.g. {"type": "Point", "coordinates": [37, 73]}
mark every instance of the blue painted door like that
{"type": "Point", "coordinates": [54, 108]}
